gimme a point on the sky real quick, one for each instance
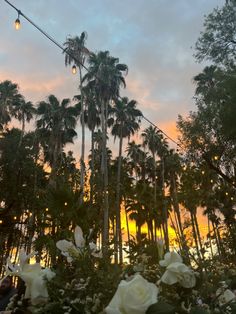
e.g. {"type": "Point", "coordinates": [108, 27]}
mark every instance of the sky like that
{"type": "Point", "coordinates": [155, 38]}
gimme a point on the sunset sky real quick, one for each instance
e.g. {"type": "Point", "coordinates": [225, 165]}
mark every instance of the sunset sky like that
{"type": "Point", "coordinates": [153, 37]}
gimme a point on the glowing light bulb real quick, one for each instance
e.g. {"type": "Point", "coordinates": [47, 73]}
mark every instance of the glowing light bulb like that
{"type": "Point", "coordinates": [74, 69]}
{"type": "Point", "coordinates": [17, 24]}
{"type": "Point", "coordinates": [65, 203]}
{"type": "Point", "coordinates": [203, 172]}
{"type": "Point", "coordinates": [46, 209]}
{"type": "Point", "coordinates": [1, 221]}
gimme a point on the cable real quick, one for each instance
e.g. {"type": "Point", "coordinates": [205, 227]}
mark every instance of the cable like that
{"type": "Point", "coordinates": [47, 35]}
{"type": "Point", "coordinates": [77, 61]}
{"type": "Point", "coordinates": [166, 135]}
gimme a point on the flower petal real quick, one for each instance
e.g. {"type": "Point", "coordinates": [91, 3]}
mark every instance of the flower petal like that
{"type": "Point", "coordinates": [64, 245]}
{"type": "Point", "coordinates": [79, 239]}
{"type": "Point", "coordinates": [170, 257]}
{"type": "Point", "coordinates": [169, 277]}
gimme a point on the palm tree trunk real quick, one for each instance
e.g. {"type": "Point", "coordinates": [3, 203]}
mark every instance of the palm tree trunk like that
{"type": "Point", "coordinates": [195, 234]}
{"type": "Point", "coordinates": [165, 222]}
{"type": "Point", "coordinates": [209, 235]}
{"type": "Point", "coordinates": [118, 216]}
{"type": "Point", "coordinates": [155, 181]}
{"type": "Point", "coordinates": [105, 178]}
{"type": "Point", "coordinates": [177, 212]}
{"type": "Point", "coordinates": [198, 234]}
{"type": "Point", "coordinates": [218, 238]}
{"type": "Point", "coordinates": [82, 164]}
{"type": "Point", "coordinates": [92, 168]}
{"type": "Point", "coordinates": [127, 227]}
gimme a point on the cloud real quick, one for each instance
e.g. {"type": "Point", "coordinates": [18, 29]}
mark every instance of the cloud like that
{"type": "Point", "coordinates": [153, 38]}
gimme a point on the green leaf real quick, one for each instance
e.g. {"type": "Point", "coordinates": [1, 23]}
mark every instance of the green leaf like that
{"type": "Point", "coordinates": [161, 308]}
{"type": "Point", "coordinates": [198, 310]}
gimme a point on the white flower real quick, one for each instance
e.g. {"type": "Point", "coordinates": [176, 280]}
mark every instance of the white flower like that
{"type": "Point", "coordinates": [33, 276]}
{"type": "Point", "coordinates": [79, 239]}
{"type": "Point", "coordinates": [133, 297]}
{"type": "Point", "coordinates": [94, 250]}
{"type": "Point", "coordinates": [169, 258]}
{"type": "Point", "coordinates": [68, 248]}
{"type": "Point", "coordinates": [176, 271]}
{"type": "Point", "coordinates": [225, 297]}
{"type": "Point", "coordinates": [64, 246]}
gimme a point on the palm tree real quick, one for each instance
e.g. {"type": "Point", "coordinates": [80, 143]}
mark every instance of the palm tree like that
{"type": "Point", "coordinates": [24, 112]}
{"type": "Point", "coordinates": [133, 153]}
{"type": "Point", "coordinates": [76, 53]}
{"type": "Point", "coordinates": [173, 171]}
{"type": "Point", "coordinates": [56, 126]}
{"type": "Point", "coordinates": [126, 119]}
{"type": "Point", "coordinates": [92, 120]}
{"type": "Point", "coordinates": [157, 145]}
{"type": "Point", "coordinates": [106, 77]}
{"type": "Point", "coordinates": [9, 96]}
{"type": "Point", "coordinates": [190, 197]}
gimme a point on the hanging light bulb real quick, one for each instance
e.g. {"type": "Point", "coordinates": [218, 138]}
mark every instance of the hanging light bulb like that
{"type": "Point", "coordinates": [74, 70]}
{"type": "Point", "coordinates": [17, 22]}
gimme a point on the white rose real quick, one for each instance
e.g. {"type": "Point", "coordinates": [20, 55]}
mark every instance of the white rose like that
{"type": "Point", "coordinates": [226, 297]}
{"type": "Point", "coordinates": [133, 297]}
{"type": "Point", "coordinates": [35, 281]}
{"type": "Point", "coordinates": [179, 272]}
{"type": "Point", "coordinates": [169, 258]}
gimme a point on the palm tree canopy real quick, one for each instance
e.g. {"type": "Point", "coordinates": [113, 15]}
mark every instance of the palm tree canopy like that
{"type": "Point", "coordinates": [105, 74]}
{"type": "Point", "coordinates": [75, 51]}
{"type": "Point", "coordinates": [9, 96]}
{"type": "Point", "coordinates": [154, 141]}
{"type": "Point", "coordinates": [126, 118]}
{"type": "Point", "coordinates": [56, 123]}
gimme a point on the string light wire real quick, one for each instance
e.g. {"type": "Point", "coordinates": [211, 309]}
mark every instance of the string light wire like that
{"type": "Point", "coordinates": [20, 13]}
{"type": "Point", "coordinates": [64, 50]}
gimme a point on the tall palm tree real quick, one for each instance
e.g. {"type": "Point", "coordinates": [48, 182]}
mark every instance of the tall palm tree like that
{"type": "Point", "coordinates": [56, 124]}
{"type": "Point", "coordinates": [106, 77]}
{"type": "Point", "coordinates": [157, 145]}
{"type": "Point", "coordinates": [9, 95]}
{"type": "Point", "coordinates": [24, 112]}
{"type": "Point", "coordinates": [126, 119]}
{"type": "Point", "coordinates": [76, 53]}
{"type": "Point", "coordinates": [92, 120]}
{"type": "Point", "coordinates": [133, 153]}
